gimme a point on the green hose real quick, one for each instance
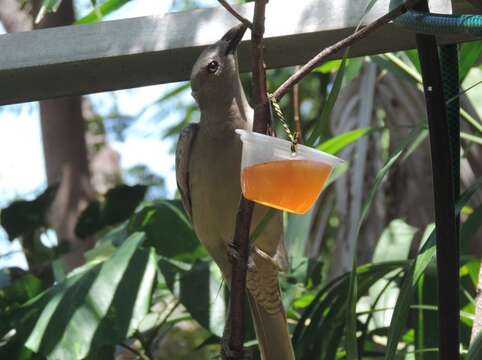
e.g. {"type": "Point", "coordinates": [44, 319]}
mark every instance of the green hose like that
{"type": "Point", "coordinates": [438, 24]}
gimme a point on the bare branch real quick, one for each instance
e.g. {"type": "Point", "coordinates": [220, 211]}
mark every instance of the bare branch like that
{"type": "Point", "coordinates": [296, 110]}
{"type": "Point", "coordinates": [245, 212]}
{"type": "Point", "coordinates": [237, 15]}
{"type": "Point", "coordinates": [340, 45]}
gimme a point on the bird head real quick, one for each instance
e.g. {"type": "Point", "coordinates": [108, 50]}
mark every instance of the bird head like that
{"type": "Point", "coordinates": [215, 74]}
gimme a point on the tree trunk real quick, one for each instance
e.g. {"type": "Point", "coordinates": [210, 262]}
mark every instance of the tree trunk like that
{"type": "Point", "coordinates": [65, 151]}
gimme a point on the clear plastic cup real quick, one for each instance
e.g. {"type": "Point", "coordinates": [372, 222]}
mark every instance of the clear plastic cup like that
{"type": "Point", "coordinates": [273, 176]}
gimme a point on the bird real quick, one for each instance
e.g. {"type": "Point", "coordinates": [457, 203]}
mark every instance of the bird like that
{"type": "Point", "coordinates": [208, 169]}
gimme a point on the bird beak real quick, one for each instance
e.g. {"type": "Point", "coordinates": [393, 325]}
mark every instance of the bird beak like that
{"type": "Point", "coordinates": [233, 37]}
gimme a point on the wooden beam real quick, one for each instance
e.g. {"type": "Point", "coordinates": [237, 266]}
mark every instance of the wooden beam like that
{"type": "Point", "coordinates": [129, 53]}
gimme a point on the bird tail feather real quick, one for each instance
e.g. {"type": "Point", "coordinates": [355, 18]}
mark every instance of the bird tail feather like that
{"type": "Point", "coordinates": [272, 332]}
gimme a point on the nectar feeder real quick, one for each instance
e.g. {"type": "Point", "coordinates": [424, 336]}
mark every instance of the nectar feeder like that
{"type": "Point", "coordinates": [273, 175]}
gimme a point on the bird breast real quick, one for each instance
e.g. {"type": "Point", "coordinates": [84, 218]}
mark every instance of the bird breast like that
{"type": "Point", "coordinates": [215, 185]}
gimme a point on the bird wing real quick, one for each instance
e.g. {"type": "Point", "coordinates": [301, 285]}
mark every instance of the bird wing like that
{"type": "Point", "coordinates": [183, 155]}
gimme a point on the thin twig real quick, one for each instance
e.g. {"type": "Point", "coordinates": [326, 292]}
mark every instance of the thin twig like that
{"type": "Point", "coordinates": [245, 212]}
{"type": "Point", "coordinates": [296, 109]}
{"type": "Point", "coordinates": [237, 15]}
{"type": "Point", "coordinates": [340, 45]}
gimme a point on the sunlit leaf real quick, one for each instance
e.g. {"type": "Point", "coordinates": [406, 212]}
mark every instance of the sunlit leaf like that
{"type": "Point", "coordinates": [470, 228]}
{"type": "Point", "coordinates": [328, 67]}
{"type": "Point", "coordinates": [102, 10]}
{"type": "Point", "coordinates": [339, 142]}
{"type": "Point", "coordinates": [95, 306]}
{"type": "Point", "coordinates": [469, 54]}
{"type": "Point", "coordinates": [47, 6]}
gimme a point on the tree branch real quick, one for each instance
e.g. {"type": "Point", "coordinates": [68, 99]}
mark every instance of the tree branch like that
{"type": "Point", "coordinates": [296, 110]}
{"type": "Point", "coordinates": [245, 212]}
{"type": "Point", "coordinates": [340, 45]}
{"type": "Point", "coordinates": [237, 15]}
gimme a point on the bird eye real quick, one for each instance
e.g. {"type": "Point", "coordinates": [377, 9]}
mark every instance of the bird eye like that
{"type": "Point", "coordinates": [213, 66]}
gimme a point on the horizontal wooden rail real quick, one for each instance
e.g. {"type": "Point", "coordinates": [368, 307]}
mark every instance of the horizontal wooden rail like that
{"type": "Point", "coordinates": [129, 53]}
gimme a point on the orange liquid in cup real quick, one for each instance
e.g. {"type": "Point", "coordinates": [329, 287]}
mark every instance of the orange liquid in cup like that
{"type": "Point", "coordinates": [290, 185]}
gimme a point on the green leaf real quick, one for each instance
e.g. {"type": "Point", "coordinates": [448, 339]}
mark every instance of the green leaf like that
{"type": "Point", "coordinates": [471, 269]}
{"type": "Point", "coordinates": [200, 292]}
{"type": "Point", "coordinates": [339, 142]}
{"type": "Point", "coordinates": [394, 244]}
{"type": "Point", "coordinates": [168, 230]}
{"type": "Point", "coordinates": [475, 350]}
{"type": "Point", "coordinates": [96, 306]}
{"type": "Point", "coordinates": [412, 55]}
{"type": "Point", "coordinates": [119, 204]}
{"type": "Point", "coordinates": [405, 144]}
{"type": "Point", "coordinates": [319, 331]}
{"type": "Point", "coordinates": [20, 291]}
{"type": "Point", "coordinates": [419, 264]}
{"type": "Point", "coordinates": [89, 221]}
{"type": "Point", "coordinates": [470, 228]}
{"type": "Point", "coordinates": [350, 330]}
{"type": "Point", "coordinates": [400, 68]}
{"type": "Point", "coordinates": [330, 103]}
{"type": "Point", "coordinates": [47, 6]}
{"type": "Point", "coordinates": [104, 353]}
{"type": "Point", "coordinates": [262, 224]}
{"type": "Point", "coordinates": [101, 10]}
{"type": "Point", "coordinates": [328, 67]}
{"type": "Point", "coordinates": [469, 54]}
{"type": "Point", "coordinates": [23, 217]}
{"type": "Point", "coordinates": [194, 281]}
{"type": "Point", "coordinates": [351, 343]}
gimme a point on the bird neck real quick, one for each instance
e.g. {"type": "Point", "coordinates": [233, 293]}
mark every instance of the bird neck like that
{"type": "Point", "coordinates": [231, 111]}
